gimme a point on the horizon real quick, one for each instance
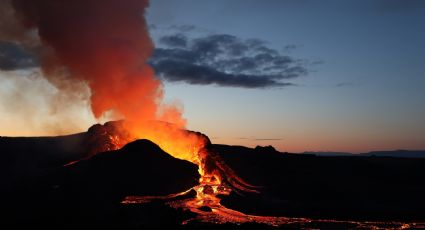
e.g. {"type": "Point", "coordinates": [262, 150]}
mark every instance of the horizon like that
{"type": "Point", "coordinates": [236, 145]}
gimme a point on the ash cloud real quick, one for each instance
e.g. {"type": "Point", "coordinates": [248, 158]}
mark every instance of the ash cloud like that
{"type": "Point", "coordinates": [224, 60]}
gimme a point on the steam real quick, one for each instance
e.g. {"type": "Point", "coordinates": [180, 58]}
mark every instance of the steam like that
{"type": "Point", "coordinates": [30, 105]}
{"type": "Point", "coordinates": [103, 45]}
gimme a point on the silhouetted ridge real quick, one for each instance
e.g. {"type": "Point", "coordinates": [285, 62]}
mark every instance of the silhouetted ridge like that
{"type": "Point", "coordinates": [266, 149]}
{"type": "Point", "coordinates": [140, 167]}
{"type": "Point", "coordinates": [147, 147]}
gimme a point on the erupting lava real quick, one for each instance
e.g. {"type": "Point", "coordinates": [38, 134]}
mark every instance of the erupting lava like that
{"type": "Point", "coordinates": [216, 177]}
{"type": "Point", "coordinates": [107, 45]}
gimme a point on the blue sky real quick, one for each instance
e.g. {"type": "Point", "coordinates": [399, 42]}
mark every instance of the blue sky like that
{"type": "Point", "coordinates": [364, 90]}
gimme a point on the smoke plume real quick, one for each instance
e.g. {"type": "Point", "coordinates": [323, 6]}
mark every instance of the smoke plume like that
{"type": "Point", "coordinates": [104, 43]}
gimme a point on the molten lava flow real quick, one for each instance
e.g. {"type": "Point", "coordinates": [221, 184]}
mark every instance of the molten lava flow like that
{"type": "Point", "coordinates": [216, 177]}
{"type": "Point", "coordinates": [178, 142]}
{"type": "Point", "coordinates": [190, 146]}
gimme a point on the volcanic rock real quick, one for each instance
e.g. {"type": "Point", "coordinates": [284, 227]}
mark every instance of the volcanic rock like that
{"type": "Point", "coordinates": [37, 153]}
{"type": "Point", "coordinates": [93, 188]}
{"type": "Point", "coordinates": [139, 168]}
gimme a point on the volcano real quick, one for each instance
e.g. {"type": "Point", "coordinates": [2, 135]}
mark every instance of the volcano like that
{"type": "Point", "coordinates": [94, 179]}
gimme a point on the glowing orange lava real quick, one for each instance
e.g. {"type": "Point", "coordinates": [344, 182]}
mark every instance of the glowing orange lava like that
{"type": "Point", "coordinates": [216, 177]}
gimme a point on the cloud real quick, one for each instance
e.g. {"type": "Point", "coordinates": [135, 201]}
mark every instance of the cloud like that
{"type": "Point", "coordinates": [224, 60]}
{"type": "Point", "coordinates": [179, 71]}
{"type": "Point", "coordinates": [13, 57]}
{"type": "Point", "coordinates": [345, 84]}
{"type": "Point", "coordinates": [212, 59]}
{"type": "Point", "coordinates": [177, 40]}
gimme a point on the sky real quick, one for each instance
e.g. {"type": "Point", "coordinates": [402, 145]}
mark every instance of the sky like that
{"type": "Point", "coordinates": [366, 73]}
{"type": "Point", "coordinates": [298, 75]}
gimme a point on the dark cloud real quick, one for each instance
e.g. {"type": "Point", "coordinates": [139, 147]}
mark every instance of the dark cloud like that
{"type": "Point", "coordinates": [13, 56]}
{"type": "Point", "coordinates": [180, 71]}
{"type": "Point", "coordinates": [177, 40]}
{"type": "Point", "coordinates": [217, 59]}
{"type": "Point", "coordinates": [224, 60]}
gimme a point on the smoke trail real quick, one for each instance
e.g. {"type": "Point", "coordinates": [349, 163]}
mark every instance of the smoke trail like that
{"type": "Point", "coordinates": [104, 43]}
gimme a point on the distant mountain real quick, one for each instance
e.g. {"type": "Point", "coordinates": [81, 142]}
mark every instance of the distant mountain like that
{"type": "Point", "coordinates": [397, 153]}
{"type": "Point", "coordinates": [328, 154]}
{"type": "Point", "coordinates": [393, 153]}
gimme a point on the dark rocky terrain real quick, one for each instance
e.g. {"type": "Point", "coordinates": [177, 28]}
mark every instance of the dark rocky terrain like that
{"type": "Point", "coordinates": [354, 188]}
{"type": "Point", "coordinates": [90, 191]}
{"type": "Point", "coordinates": [37, 190]}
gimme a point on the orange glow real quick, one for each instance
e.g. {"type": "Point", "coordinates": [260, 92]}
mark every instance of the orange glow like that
{"type": "Point", "coordinates": [174, 140]}
{"type": "Point", "coordinates": [109, 52]}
